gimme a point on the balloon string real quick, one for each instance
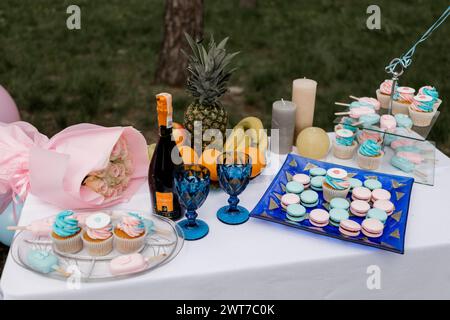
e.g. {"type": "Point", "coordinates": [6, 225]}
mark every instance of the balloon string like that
{"type": "Point", "coordinates": [406, 60]}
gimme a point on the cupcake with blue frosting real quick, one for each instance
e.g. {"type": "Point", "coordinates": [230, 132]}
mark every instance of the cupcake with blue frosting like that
{"type": "Point", "coordinates": [66, 233]}
{"type": "Point", "coordinates": [433, 93]}
{"type": "Point", "coordinates": [422, 110]}
{"type": "Point", "coordinates": [336, 184]}
{"type": "Point", "coordinates": [369, 155]}
{"type": "Point", "coordinates": [344, 145]}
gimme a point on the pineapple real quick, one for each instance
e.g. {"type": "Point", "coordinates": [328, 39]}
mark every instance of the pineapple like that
{"type": "Point", "coordinates": [208, 74]}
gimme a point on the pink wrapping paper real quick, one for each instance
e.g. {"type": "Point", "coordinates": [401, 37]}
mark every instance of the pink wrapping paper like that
{"type": "Point", "coordinates": [54, 169]}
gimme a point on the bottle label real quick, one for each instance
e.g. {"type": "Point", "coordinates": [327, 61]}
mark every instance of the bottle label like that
{"type": "Point", "coordinates": [164, 109]}
{"type": "Point", "coordinates": [164, 201]}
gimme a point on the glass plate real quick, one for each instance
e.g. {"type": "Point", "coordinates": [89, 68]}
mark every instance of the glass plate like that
{"type": "Point", "coordinates": [164, 244]}
{"type": "Point", "coordinates": [393, 238]}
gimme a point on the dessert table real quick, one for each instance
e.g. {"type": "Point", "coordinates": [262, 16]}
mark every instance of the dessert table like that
{"type": "Point", "coordinates": [263, 260]}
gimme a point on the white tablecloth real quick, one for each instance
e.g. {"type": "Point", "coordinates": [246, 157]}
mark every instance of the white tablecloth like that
{"type": "Point", "coordinates": [263, 260]}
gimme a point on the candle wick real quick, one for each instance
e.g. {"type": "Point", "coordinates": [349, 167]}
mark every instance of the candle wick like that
{"type": "Point", "coordinates": [282, 100]}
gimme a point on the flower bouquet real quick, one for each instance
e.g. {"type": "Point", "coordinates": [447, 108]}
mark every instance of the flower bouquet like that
{"type": "Point", "coordinates": [85, 166]}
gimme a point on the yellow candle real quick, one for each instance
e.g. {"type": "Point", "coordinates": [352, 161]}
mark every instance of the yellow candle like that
{"type": "Point", "coordinates": [304, 97]}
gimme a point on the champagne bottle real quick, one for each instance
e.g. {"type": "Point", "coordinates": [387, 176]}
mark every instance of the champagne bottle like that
{"type": "Point", "coordinates": [161, 169]}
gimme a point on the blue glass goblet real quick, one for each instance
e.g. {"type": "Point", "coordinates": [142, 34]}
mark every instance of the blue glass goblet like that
{"type": "Point", "coordinates": [234, 170]}
{"type": "Point", "coordinates": [191, 184]}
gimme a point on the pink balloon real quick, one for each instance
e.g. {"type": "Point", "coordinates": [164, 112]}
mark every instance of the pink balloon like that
{"type": "Point", "coordinates": [8, 108]}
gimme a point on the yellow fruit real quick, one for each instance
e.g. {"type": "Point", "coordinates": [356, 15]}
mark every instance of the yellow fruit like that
{"type": "Point", "coordinates": [208, 159]}
{"type": "Point", "coordinates": [151, 150]}
{"type": "Point", "coordinates": [188, 155]}
{"type": "Point", "coordinates": [258, 160]}
{"type": "Point", "coordinates": [313, 143]}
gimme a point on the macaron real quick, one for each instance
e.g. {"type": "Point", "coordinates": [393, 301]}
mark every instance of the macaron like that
{"type": "Point", "coordinates": [385, 205]}
{"type": "Point", "coordinates": [289, 198]}
{"type": "Point", "coordinates": [316, 183]}
{"type": "Point", "coordinates": [309, 198]}
{"type": "Point", "coordinates": [361, 193]}
{"type": "Point", "coordinates": [349, 228]}
{"type": "Point", "coordinates": [319, 218]}
{"type": "Point", "coordinates": [337, 215]}
{"type": "Point", "coordinates": [380, 194]}
{"type": "Point", "coordinates": [303, 179]}
{"type": "Point", "coordinates": [378, 214]}
{"type": "Point", "coordinates": [372, 184]}
{"type": "Point", "coordinates": [372, 228]}
{"type": "Point", "coordinates": [294, 187]}
{"type": "Point", "coordinates": [359, 208]}
{"type": "Point", "coordinates": [339, 203]}
{"type": "Point", "coordinates": [296, 212]}
{"type": "Point", "coordinates": [316, 172]}
{"type": "Point", "coordinates": [354, 183]}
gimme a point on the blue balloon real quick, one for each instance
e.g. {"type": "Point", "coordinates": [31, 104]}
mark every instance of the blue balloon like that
{"type": "Point", "coordinates": [6, 220]}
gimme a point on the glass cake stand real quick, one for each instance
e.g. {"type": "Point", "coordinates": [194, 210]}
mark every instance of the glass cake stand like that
{"type": "Point", "coordinates": [161, 246]}
{"type": "Point", "coordinates": [416, 138]}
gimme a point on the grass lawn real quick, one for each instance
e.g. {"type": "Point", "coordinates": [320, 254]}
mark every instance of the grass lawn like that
{"type": "Point", "coordinates": [103, 73]}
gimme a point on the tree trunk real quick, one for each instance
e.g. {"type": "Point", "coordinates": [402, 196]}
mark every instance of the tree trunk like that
{"type": "Point", "coordinates": [180, 16]}
{"type": "Point", "coordinates": [249, 4]}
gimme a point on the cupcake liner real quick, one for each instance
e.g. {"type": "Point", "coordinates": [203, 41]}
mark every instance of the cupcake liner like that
{"type": "Point", "coordinates": [398, 107]}
{"type": "Point", "coordinates": [99, 248]}
{"type": "Point", "coordinates": [437, 104]}
{"type": "Point", "coordinates": [344, 152]}
{"type": "Point", "coordinates": [329, 193]}
{"type": "Point", "coordinates": [69, 245]}
{"type": "Point", "coordinates": [129, 245]}
{"type": "Point", "coordinates": [384, 99]}
{"type": "Point", "coordinates": [369, 163]}
{"type": "Point", "coordinates": [421, 119]}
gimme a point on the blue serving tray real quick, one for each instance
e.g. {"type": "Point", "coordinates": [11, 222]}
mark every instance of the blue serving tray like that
{"type": "Point", "coordinates": [393, 238]}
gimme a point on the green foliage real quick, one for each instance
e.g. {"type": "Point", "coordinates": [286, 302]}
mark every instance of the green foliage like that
{"type": "Point", "coordinates": [103, 73]}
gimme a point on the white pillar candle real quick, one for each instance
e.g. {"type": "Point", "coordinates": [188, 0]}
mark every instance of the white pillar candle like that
{"type": "Point", "coordinates": [304, 97]}
{"type": "Point", "coordinates": [283, 119]}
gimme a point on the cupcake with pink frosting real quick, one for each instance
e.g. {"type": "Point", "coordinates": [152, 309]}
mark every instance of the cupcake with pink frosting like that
{"type": "Point", "coordinates": [129, 233]}
{"type": "Point", "coordinates": [433, 93]}
{"type": "Point", "coordinates": [403, 98]}
{"type": "Point", "coordinates": [384, 93]}
{"type": "Point", "coordinates": [98, 235]}
{"type": "Point", "coordinates": [422, 110]}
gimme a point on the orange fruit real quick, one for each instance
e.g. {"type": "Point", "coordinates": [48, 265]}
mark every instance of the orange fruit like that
{"type": "Point", "coordinates": [180, 134]}
{"type": "Point", "coordinates": [208, 159]}
{"type": "Point", "coordinates": [258, 160]}
{"type": "Point", "coordinates": [188, 155]}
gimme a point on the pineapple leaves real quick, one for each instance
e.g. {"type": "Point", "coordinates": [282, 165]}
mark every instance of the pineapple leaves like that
{"type": "Point", "coordinates": [208, 70]}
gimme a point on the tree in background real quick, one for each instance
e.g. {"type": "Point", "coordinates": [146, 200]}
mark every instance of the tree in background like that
{"type": "Point", "coordinates": [180, 16]}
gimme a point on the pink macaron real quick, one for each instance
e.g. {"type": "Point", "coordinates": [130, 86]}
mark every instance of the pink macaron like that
{"type": "Point", "coordinates": [362, 193]}
{"type": "Point", "coordinates": [387, 122]}
{"type": "Point", "coordinates": [385, 205]}
{"type": "Point", "coordinates": [319, 218]}
{"type": "Point", "coordinates": [372, 228]}
{"type": "Point", "coordinates": [380, 194]}
{"type": "Point", "coordinates": [289, 198]}
{"type": "Point", "coordinates": [304, 179]}
{"type": "Point", "coordinates": [402, 143]}
{"type": "Point", "coordinates": [359, 208]}
{"type": "Point", "coordinates": [349, 228]}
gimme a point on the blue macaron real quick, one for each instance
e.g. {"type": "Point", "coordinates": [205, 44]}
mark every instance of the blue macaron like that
{"type": "Point", "coordinates": [339, 203]}
{"type": "Point", "coordinates": [296, 212]}
{"type": "Point", "coordinates": [294, 187]}
{"type": "Point", "coordinates": [309, 198]}
{"type": "Point", "coordinates": [315, 172]}
{"type": "Point", "coordinates": [378, 214]}
{"type": "Point", "coordinates": [354, 183]}
{"type": "Point", "coordinates": [316, 183]}
{"type": "Point", "coordinates": [337, 215]}
{"type": "Point", "coordinates": [372, 184]}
